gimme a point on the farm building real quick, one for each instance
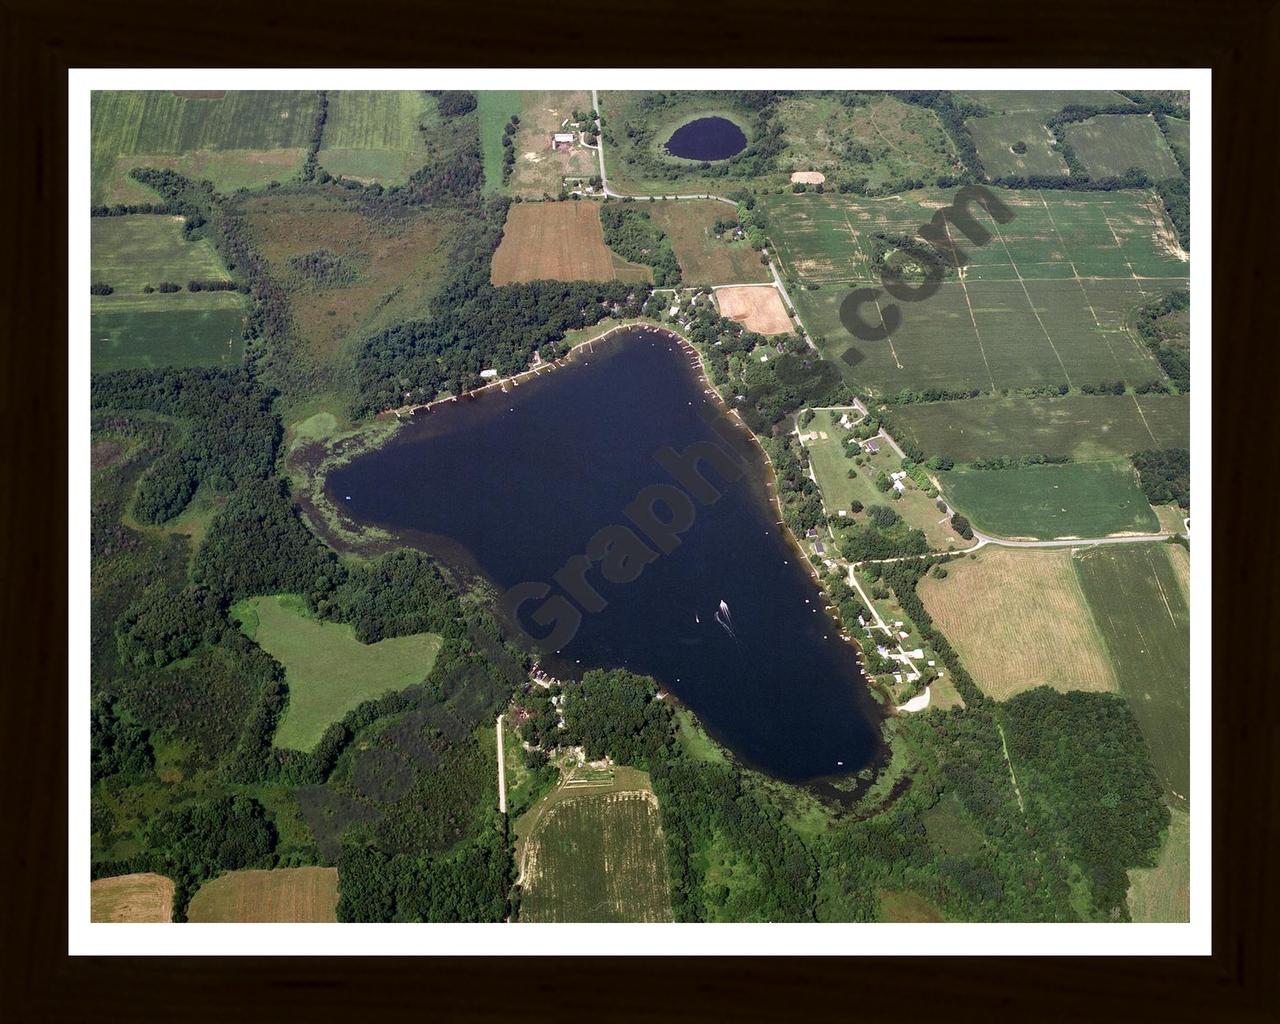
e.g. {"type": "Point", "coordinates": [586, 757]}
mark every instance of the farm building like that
{"type": "Point", "coordinates": [562, 141]}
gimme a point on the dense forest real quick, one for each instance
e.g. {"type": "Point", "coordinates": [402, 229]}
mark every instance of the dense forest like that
{"type": "Point", "coordinates": [631, 233]}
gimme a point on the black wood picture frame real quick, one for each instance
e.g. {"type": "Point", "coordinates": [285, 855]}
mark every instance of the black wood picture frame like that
{"type": "Point", "coordinates": [1239, 39]}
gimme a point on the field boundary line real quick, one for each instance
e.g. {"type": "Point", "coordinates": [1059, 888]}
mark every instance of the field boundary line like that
{"type": "Point", "coordinates": [1143, 415]}
{"type": "Point", "coordinates": [1034, 311]}
{"type": "Point", "coordinates": [964, 288]}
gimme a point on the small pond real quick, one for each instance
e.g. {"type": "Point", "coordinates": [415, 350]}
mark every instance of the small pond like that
{"type": "Point", "coordinates": [707, 138]}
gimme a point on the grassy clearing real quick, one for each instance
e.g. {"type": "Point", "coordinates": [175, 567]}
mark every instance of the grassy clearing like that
{"type": "Point", "coordinates": [1163, 893]}
{"type": "Point", "coordinates": [950, 828]}
{"type": "Point", "coordinates": [284, 895]}
{"type": "Point", "coordinates": [1042, 101]}
{"type": "Point", "coordinates": [558, 242]}
{"type": "Point", "coordinates": [1020, 619]}
{"type": "Point", "coordinates": [1078, 499]}
{"type": "Point", "coordinates": [831, 467]}
{"type": "Point", "coordinates": [327, 669]}
{"type": "Point", "coordinates": [133, 329]}
{"type": "Point", "coordinates": [996, 135]}
{"type": "Point", "coordinates": [1110, 144]}
{"type": "Point", "coordinates": [143, 898]}
{"type": "Point", "coordinates": [494, 107]}
{"type": "Point", "coordinates": [1138, 603]}
{"type": "Point", "coordinates": [1019, 317]}
{"type": "Point", "coordinates": [378, 135]}
{"type": "Point", "coordinates": [884, 140]}
{"type": "Point", "coordinates": [705, 259]}
{"type": "Point", "coordinates": [540, 170]}
{"type": "Point", "coordinates": [130, 253]}
{"type": "Point", "coordinates": [1180, 137]}
{"type": "Point", "coordinates": [903, 907]}
{"type": "Point", "coordinates": [597, 857]}
{"type": "Point", "coordinates": [241, 139]}
{"type": "Point", "coordinates": [393, 270]}
{"type": "Point", "coordinates": [1083, 427]}
{"type": "Point", "coordinates": [191, 337]}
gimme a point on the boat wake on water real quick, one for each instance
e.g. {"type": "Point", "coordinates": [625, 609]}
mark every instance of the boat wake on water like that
{"type": "Point", "coordinates": [725, 619]}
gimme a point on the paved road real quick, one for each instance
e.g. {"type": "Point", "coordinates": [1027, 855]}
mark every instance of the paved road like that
{"type": "Point", "coordinates": [502, 773]}
{"type": "Point", "coordinates": [604, 177]}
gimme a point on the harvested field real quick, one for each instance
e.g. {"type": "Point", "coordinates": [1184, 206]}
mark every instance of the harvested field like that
{"type": "Point", "coordinates": [557, 242]}
{"type": "Point", "coordinates": [284, 895]}
{"type": "Point", "coordinates": [1020, 620]}
{"type": "Point", "coordinates": [597, 857]}
{"type": "Point", "coordinates": [758, 309]}
{"type": "Point", "coordinates": [143, 898]}
{"type": "Point", "coordinates": [1163, 893]}
{"type": "Point", "coordinates": [808, 177]}
{"type": "Point", "coordinates": [705, 259]}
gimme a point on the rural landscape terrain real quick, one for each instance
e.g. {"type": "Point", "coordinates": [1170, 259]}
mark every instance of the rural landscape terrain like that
{"type": "Point", "coordinates": [952, 331]}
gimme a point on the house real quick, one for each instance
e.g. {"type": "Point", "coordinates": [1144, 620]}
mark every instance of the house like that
{"type": "Point", "coordinates": [873, 446]}
{"type": "Point", "coordinates": [818, 548]}
{"type": "Point", "coordinates": [562, 141]}
{"type": "Point", "coordinates": [488, 374]}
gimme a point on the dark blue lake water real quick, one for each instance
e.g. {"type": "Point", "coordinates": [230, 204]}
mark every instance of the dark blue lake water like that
{"type": "Point", "coordinates": [510, 486]}
{"type": "Point", "coordinates": [707, 138]}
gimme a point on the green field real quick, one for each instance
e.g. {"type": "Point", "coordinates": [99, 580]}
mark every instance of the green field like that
{"type": "Point", "coordinates": [1084, 427]}
{"type": "Point", "coordinates": [1078, 499]}
{"type": "Point", "coordinates": [328, 671]}
{"type": "Point", "coordinates": [1041, 101]}
{"type": "Point", "coordinates": [130, 328]}
{"type": "Point", "coordinates": [904, 907]}
{"type": "Point", "coordinates": [1139, 605]}
{"type": "Point", "coordinates": [495, 107]}
{"type": "Point", "coordinates": [1163, 893]}
{"type": "Point", "coordinates": [705, 259]}
{"type": "Point", "coordinates": [241, 139]}
{"type": "Point", "coordinates": [376, 135]}
{"type": "Point", "coordinates": [995, 135]}
{"type": "Point", "coordinates": [831, 468]}
{"type": "Point", "coordinates": [132, 340]}
{"type": "Point", "coordinates": [597, 857]}
{"type": "Point", "coordinates": [1046, 301]}
{"type": "Point", "coordinates": [1179, 137]}
{"type": "Point", "coordinates": [1110, 144]}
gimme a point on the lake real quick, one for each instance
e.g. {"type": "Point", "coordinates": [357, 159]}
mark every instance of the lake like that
{"type": "Point", "coordinates": [509, 486]}
{"type": "Point", "coordinates": [707, 138]}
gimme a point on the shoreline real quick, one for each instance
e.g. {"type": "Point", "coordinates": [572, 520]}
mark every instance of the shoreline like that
{"type": "Point", "coordinates": [769, 479]}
